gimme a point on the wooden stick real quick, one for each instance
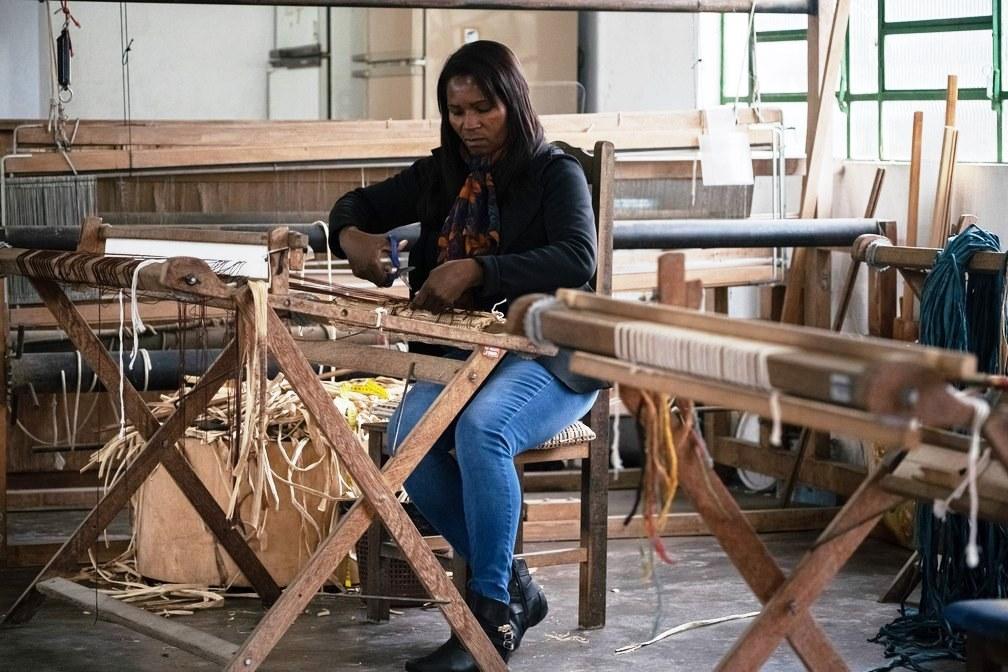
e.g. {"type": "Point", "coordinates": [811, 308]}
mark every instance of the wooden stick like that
{"type": "Point", "coordinates": [819, 157]}
{"type": "Point", "coordinates": [940, 215]}
{"type": "Point", "coordinates": [873, 196]}
{"type": "Point", "coordinates": [905, 328]}
{"type": "Point", "coordinates": [172, 632]}
{"type": "Point", "coordinates": [4, 421]}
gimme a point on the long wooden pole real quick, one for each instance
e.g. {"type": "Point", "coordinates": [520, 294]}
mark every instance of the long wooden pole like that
{"type": "Point", "coordinates": [819, 156]}
{"type": "Point", "coordinates": [943, 189]}
{"type": "Point", "coordinates": [905, 325]}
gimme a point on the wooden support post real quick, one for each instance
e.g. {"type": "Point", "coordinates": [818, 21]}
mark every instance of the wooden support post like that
{"type": "Point", "coordinates": [882, 294]}
{"type": "Point", "coordinates": [594, 528]}
{"type": "Point", "coordinates": [818, 288]}
{"type": "Point", "coordinates": [377, 498]}
{"type": "Point", "coordinates": [377, 609]}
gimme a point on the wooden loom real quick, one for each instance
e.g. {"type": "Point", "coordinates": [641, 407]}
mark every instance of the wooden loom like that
{"type": "Point", "coordinates": [191, 280]}
{"type": "Point", "coordinates": [869, 388]}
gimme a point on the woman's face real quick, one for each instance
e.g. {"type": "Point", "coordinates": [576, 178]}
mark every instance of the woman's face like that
{"type": "Point", "coordinates": [480, 123]}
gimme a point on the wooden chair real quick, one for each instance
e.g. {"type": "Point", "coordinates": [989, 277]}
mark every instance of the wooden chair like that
{"type": "Point", "coordinates": [589, 443]}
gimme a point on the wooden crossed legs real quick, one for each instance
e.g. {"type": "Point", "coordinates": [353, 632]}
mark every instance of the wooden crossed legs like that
{"type": "Point", "coordinates": [159, 449]}
{"type": "Point", "coordinates": [376, 488]}
{"type": "Point", "coordinates": [786, 601]}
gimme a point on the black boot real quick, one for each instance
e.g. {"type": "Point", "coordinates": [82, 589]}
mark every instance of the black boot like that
{"type": "Point", "coordinates": [528, 601]}
{"type": "Point", "coordinates": [495, 619]}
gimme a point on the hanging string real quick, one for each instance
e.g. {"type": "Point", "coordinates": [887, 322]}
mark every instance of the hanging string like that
{"type": "Point", "coordinates": [614, 454]}
{"type": "Point", "coordinates": [122, 369]}
{"type": "Point", "coordinates": [138, 326]}
{"type": "Point", "coordinates": [532, 321]}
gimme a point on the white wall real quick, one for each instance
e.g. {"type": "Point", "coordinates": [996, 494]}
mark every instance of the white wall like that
{"type": "Point", "coordinates": [639, 60]}
{"type": "Point", "coordinates": [187, 61]}
{"type": "Point", "coordinates": [24, 79]}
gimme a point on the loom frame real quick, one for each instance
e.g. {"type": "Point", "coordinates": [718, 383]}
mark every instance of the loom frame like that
{"type": "Point", "coordinates": [191, 280]}
{"type": "Point", "coordinates": [786, 599]}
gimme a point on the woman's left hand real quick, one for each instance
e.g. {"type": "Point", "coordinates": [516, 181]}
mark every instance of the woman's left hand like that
{"type": "Point", "coordinates": [447, 283]}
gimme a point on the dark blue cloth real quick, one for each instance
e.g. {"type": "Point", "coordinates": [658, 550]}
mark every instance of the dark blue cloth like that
{"type": "Point", "coordinates": [987, 618]}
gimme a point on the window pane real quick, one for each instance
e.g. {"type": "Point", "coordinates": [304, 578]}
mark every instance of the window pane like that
{"type": "Point", "coordinates": [781, 21]}
{"type": "Point", "coordinates": [897, 129]}
{"type": "Point", "coordinates": [782, 67]}
{"type": "Point", "coordinates": [736, 56]}
{"type": "Point", "coordinates": [914, 10]}
{"type": "Point", "coordinates": [864, 47]}
{"type": "Point", "coordinates": [966, 54]}
{"type": "Point", "coordinates": [795, 119]}
{"type": "Point", "coordinates": [863, 130]}
{"type": "Point", "coordinates": [976, 121]}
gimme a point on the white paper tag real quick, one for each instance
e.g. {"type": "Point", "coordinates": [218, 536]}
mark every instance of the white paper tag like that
{"type": "Point", "coordinates": [725, 155]}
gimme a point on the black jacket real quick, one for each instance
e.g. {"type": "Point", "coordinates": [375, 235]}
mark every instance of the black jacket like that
{"type": "Point", "coordinates": [548, 237]}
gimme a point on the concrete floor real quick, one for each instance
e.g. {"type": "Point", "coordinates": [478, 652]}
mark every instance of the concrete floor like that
{"type": "Point", "coordinates": [701, 584]}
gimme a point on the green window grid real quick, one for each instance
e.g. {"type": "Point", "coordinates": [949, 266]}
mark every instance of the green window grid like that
{"type": "Point", "coordinates": [994, 94]}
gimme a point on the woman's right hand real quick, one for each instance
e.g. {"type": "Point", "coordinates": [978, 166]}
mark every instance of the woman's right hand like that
{"type": "Point", "coordinates": [368, 254]}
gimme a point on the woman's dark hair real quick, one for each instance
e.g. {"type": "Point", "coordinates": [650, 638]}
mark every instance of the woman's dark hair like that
{"type": "Point", "coordinates": [496, 71]}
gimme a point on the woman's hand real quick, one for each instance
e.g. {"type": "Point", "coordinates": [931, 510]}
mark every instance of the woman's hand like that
{"type": "Point", "coordinates": [447, 283]}
{"type": "Point", "coordinates": [368, 254]}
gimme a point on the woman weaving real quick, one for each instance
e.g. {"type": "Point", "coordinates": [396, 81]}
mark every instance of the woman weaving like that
{"type": "Point", "coordinates": [502, 214]}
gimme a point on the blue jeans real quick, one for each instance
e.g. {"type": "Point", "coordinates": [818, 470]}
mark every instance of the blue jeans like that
{"type": "Point", "coordinates": [473, 497]}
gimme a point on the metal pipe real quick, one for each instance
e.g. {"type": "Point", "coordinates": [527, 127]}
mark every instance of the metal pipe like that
{"type": "Point", "coordinates": [690, 6]}
{"type": "Point", "coordinates": [665, 234]}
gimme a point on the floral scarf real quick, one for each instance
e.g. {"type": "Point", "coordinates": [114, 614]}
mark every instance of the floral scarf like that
{"type": "Point", "coordinates": [472, 227]}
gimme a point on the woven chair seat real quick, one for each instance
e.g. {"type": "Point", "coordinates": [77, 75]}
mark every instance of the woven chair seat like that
{"type": "Point", "coordinates": [576, 432]}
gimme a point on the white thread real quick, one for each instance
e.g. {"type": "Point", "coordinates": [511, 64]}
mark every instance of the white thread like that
{"type": "Point", "coordinates": [498, 314]}
{"type": "Point", "coordinates": [80, 372]}
{"type": "Point", "coordinates": [614, 454]}
{"type": "Point", "coordinates": [703, 355]}
{"type": "Point", "coordinates": [138, 326]}
{"type": "Point", "coordinates": [775, 419]}
{"type": "Point", "coordinates": [975, 463]}
{"type": "Point", "coordinates": [147, 366]}
{"type": "Point", "coordinates": [533, 321]}
{"type": "Point", "coordinates": [325, 231]}
{"type": "Point", "coordinates": [379, 312]}
{"type": "Point", "coordinates": [122, 369]}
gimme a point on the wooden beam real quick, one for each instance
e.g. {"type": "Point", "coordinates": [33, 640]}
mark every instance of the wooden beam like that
{"type": "Point", "coordinates": [842, 479]}
{"type": "Point", "coordinates": [686, 524]}
{"type": "Point", "coordinates": [37, 554]}
{"type": "Point", "coordinates": [949, 363]}
{"type": "Point", "coordinates": [172, 632]}
{"type": "Point", "coordinates": [570, 480]}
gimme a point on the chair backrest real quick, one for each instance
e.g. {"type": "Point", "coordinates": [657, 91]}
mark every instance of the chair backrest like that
{"type": "Point", "coordinates": [600, 171]}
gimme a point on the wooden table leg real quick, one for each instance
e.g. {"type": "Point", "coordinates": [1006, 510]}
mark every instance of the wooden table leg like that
{"type": "Point", "coordinates": [377, 498]}
{"type": "Point", "coordinates": [160, 448]}
{"type": "Point", "coordinates": [748, 553]}
{"type": "Point", "coordinates": [817, 568]}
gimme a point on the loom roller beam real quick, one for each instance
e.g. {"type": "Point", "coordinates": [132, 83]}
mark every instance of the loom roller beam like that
{"type": "Point", "coordinates": [898, 382]}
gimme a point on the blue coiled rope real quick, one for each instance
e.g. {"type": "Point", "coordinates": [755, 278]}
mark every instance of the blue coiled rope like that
{"type": "Point", "coordinates": [959, 311]}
